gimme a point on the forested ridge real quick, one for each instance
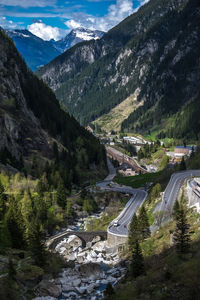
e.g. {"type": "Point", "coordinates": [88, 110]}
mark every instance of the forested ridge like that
{"type": "Point", "coordinates": [172, 89]}
{"type": "Point", "coordinates": [154, 51]}
{"type": "Point", "coordinates": [45, 157]}
{"type": "Point", "coordinates": [40, 129]}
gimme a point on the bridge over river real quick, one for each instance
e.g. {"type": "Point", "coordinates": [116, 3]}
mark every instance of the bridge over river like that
{"type": "Point", "coordinates": [85, 236]}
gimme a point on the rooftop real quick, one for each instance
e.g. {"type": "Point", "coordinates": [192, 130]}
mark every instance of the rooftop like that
{"type": "Point", "coordinates": [186, 147]}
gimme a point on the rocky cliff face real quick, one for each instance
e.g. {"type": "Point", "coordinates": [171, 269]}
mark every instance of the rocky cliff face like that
{"type": "Point", "coordinates": [31, 120]}
{"type": "Point", "coordinates": [146, 52]}
{"type": "Point", "coordinates": [20, 130]}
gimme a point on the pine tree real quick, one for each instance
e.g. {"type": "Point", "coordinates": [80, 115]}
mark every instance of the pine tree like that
{"type": "Point", "coordinates": [176, 210]}
{"type": "Point", "coordinates": [61, 195]}
{"type": "Point", "coordinates": [181, 235]}
{"type": "Point", "coordinates": [35, 243]}
{"type": "Point", "coordinates": [133, 235]}
{"type": "Point", "coordinates": [143, 224]}
{"type": "Point", "coordinates": [42, 185]}
{"type": "Point", "coordinates": [86, 205]}
{"type": "Point", "coordinates": [68, 209]}
{"type": "Point", "coordinates": [15, 223]}
{"type": "Point", "coordinates": [137, 264]}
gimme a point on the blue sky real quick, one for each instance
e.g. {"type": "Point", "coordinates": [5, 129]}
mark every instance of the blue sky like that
{"type": "Point", "coordinates": [55, 18]}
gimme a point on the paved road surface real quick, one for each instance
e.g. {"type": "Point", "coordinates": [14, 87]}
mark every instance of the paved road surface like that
{"type": "Point", "coordinates": [138, 197]}
{"type": "Point", "coordinates": [112, 171]}
{"type": "Point", "coordinates": [124, 219]}
{"type": "Point", "coordinates": [172, 190]}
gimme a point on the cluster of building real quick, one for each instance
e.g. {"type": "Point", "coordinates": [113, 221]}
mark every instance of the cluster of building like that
{"type": "Point", "coordinates": [181, 152]}
{"type": "Point", "coordinates": [134, 140]}
{"type": "Point", "coordinates": [137, 142]}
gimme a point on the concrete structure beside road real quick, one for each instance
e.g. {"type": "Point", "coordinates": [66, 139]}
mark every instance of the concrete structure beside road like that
{"type": "Point", "coordinates": [122, 158]}
{"type": "Point", "coordinates": [193, 191]}
{"type": "Point", "coordinates": [172, 192]}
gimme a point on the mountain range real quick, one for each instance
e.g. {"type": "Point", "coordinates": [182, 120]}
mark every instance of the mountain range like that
{"type": "Point", "coordinates": [149, 63]}
{"type": "Point", "coordinates": [34, 127]}
{"type": "Point", "coordinates": [38, 52]}
{"type": "Point", "coordinates": [76, 36]}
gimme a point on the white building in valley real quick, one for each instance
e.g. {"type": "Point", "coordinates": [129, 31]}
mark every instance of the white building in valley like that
{"type": "Point", "coordinates": [134, 140]}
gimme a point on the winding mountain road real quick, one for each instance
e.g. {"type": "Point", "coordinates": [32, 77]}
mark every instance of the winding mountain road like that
{"type": "Point", "coordinates": [120, 225]}
{"type": "Point", "coordinates": [172, 190]}
{"type": "Point", "coordinates": [124, 219]}
{"type": "Point", "coordinates": [136, 200]}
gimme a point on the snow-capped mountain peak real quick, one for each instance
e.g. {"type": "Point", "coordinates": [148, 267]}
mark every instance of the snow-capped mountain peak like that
{"type": "Point", "coordinates": [87, 34]}
{"type": "Point", "coordinates": [38, 52]}
{"type": "Point", "coordinates": [77, 35]}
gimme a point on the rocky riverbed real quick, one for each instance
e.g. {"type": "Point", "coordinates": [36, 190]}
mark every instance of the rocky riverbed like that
{"type": "Point", "coordinates": [84, 281]}
{"type": "Point", "coordinates": [92, 267]}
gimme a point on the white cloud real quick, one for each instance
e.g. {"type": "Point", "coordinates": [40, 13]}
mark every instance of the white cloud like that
{"type": "Point", "coordinates": [71, 24]}
{"type": "Point", "coordinates": [46, 32]}
{"type": "Point", "coordinates": [28, 3]}
{"type": "Point", "coordinates": [116, 13]}
{"type": "Point", "coordinates": [8, 24]}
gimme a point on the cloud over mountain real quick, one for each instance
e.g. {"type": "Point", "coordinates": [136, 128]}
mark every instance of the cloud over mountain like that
{"type": "Point", "coordinates": [46, 32]}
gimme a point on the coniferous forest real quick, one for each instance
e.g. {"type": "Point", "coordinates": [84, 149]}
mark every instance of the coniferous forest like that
{"type": "Point", "coordinates": [91, 212]}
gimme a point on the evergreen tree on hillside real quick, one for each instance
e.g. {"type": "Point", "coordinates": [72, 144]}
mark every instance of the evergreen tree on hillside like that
{"type": "Point", "coordinates": [133, 234]}
{"type": "Point", "coordinates": [35, 243]}
{"type": "Point", "coordinates": [156, 190]}
{"type": "Point", "coordinates": [61, 195]}
{"type": "Point", "coordinates": [137, 264]}
{"type": "Point", "coordinates": [143, 224]}
{"type": "Point", "coordinates": [181, 235]}
{"type": "Point", "coordinates": [68, 209]}
{"type": "Point", "coordinates": [15, 223]}
{"type": "Point", "coordinates": [42, 185]}
{"type": "Point", "coordinates": [176, 210]}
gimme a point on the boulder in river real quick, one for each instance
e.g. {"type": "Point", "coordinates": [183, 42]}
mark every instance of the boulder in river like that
{"type": "Point", "coordinates": [90, 269]}
{"type": "Point", "coordinates": [47, 288]}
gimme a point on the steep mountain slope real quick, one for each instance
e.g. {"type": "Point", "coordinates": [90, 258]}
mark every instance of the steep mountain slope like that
{"type": "Point", "coordinates": [32, 124]}
{"type": "Point", "coordinates": [170, 87]}
{"type": "Point", "coordinates": [113, 120]}
{"type": "Point", "coordinates": [76, 36]}
{"type": "Point", "coordinates": [154, 50]}
{"type": "Point", "coordinates": [34, 50]}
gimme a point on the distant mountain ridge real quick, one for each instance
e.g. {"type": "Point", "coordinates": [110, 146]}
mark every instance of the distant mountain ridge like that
{"type": "Point", "coordinates": [154, 52]}
{"type": "Point", "coordinates": [35, 51]}
{"type": "Point", "coordinates": [76, 36]}
{"type": "Point", "coordinates": [38, 52]}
